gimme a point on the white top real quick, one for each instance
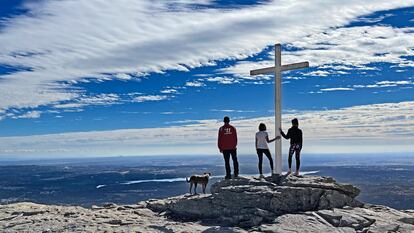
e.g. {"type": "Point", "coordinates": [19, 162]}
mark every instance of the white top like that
{"type": "Point", "coordinates": [261, 140]}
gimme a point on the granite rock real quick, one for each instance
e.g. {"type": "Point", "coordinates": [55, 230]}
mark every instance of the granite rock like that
{"type": "Point", "coordinates": [273, 204]}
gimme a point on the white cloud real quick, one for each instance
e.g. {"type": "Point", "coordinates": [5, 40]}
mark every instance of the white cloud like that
{"type": "Point", "coordinates": [231, 110]}
{"type": "Point", "coordinates": [339, 49]}
{"type": "Point", "coordinates": [69, 105]}
{"type": "Point", "coordinates": [320, 73]}
{"type": "Point", "coordinates": [386, 83]}
{"type": "Point", "coordinates": [101, 99]}
{"type": "Point", "coordinates": [338, 89]}
{"type": "Point", "coordinates": [393, 83]}
{"type": "Point", "coordinates": [242, 69]}
{"type": "Point", "coordinates": [192, 2]}
{"type": "Point", "coordinates": [74, 39]}
{"type": "Point", "coordinates": [374, 20]}
{"type": "Point", "coordinates": [194, 84]}
{"type": "Point", "coordinates": [356, 46]}
{"type": "Point", "coordinates": [84, 100]}
{"type": "Point", "coordinates": [222, 80]}
{"type": "Point", "coordinates": [169, 91]}
{"type": "Point", "coordinates": [376, 128]}
{"type": "Point", "coordinates": [123, 76]}
{"type": "Point", "coordinates": [28, 115]}
{"type": "Point", "coordinates": [172, 113]}
{"type": "Point", "coordinates": [145, 98]}
{"type": "Point", "coordinates": [293, 78]}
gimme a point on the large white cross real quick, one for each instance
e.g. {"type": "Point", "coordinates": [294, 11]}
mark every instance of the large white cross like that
{"type": "Point", "coordinates": [277, 69]}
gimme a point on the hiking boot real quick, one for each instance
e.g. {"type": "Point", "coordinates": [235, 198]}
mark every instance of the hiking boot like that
{"type": "Point", "coordinates": [227, 177]}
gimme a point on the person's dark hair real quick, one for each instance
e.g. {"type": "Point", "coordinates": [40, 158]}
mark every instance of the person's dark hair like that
{"type": "Point", "coordinates": [295, 121]}
{"type": "Point", "coordinates": [262, 127]}
{"type": "Point", "coordinates": [226, 119]}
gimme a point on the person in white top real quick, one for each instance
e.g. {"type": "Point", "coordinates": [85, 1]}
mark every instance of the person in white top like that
{"type": "Point", "coordinates": [262, 138]}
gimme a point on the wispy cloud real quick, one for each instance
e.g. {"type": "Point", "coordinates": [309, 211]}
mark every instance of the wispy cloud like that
{"type": "Point", "coordinates": [169, 91]}
{"type": "Point", "coordinates": [74, 39]}
{"type": "Point", "coordinates": [231, 110]}
{"type": "Point", "coordinates": [386, 83]}
{"type": "Point", "coordinates": [339, 50]}
{"type": "Point", "coordinates": [172, 113]}
{"type": "Point", "coordinates": [84, 100]}
{"type": "Point", "coordinates": [30, 115]}
{"type": "Point", "coordinates": [338, 89]}
{"type": "Point", "coordinates": [145, 98]}
{"type": "Point", "coordinates": [374, 20]}
{"type": "Point", "coordinates": [384, 127]}
{"type": "Point", "coordinates": [222, 80]}
{"type": "Point", "coordinates": [320, 73]}
{"type": "Point", "coordinates": [356, 46]}
{"type": "Point", "coordinates": [194, 84]}
{"type": "Point", "coordinates": [242, 69]}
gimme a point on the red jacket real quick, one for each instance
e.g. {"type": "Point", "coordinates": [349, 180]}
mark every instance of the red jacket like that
{"type": "Point", "coordinates": [227, 137]}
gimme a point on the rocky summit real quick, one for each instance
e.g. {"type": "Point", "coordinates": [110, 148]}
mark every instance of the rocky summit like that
{"type": "Point", "coordinates": [245, 204]}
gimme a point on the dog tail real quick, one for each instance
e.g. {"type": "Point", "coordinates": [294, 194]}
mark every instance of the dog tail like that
{"type": "Point", "coordinates": [186, 179]}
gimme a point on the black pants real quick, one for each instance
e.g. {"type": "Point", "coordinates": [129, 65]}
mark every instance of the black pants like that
{"type": "Point", "coordinates": [295, 148]}
{"type": "Point", "coordinates": [226, 155]}
{"type": "Point", "coordinates": [260, 153]}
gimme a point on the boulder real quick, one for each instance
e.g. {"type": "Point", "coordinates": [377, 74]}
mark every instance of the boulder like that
{"type": "Point", "coordinates": [248, 202]}
{"type": "Point", "coordinates": [322, 182]}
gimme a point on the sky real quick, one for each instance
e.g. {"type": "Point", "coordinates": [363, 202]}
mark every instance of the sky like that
{"type": "Point", "coordinates": [156, 77]}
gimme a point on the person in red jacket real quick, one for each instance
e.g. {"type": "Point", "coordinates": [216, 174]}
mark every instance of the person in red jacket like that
{"type": "Point", "coordinates": [227, 144]}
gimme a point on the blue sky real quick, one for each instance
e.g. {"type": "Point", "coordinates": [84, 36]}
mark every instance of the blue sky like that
{"type": "Point", "coordinates": [126, 78]}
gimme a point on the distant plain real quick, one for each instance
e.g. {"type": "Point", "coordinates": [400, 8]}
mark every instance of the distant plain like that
{"type": "Point", "coordinates": [385, 179]}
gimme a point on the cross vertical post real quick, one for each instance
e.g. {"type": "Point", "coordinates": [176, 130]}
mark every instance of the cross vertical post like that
{"type": "Point", "coordinates": [278, 108]}
{"type": "Point", "coordinates": [277, 70]}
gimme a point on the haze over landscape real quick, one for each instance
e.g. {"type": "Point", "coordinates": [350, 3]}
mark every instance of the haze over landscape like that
{"type": "Point", "coordinates": [383, 178]}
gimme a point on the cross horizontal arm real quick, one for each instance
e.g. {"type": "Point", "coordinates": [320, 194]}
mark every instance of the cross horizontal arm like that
{"type": "Point", "coordinates": [262, 71]}
{"type": "Point", "coordinates": [295, 66]}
